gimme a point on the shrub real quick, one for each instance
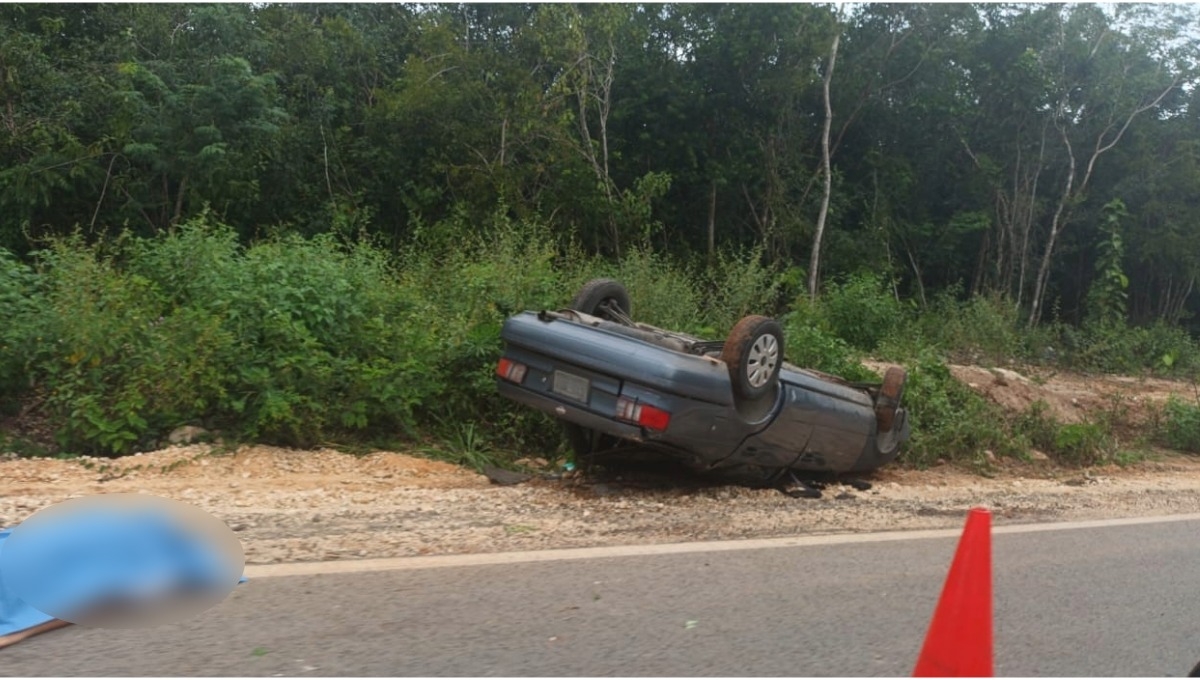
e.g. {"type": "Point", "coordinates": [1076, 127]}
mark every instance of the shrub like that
{"type": "Point", "coordinates": [1181, 425]}
{"type": "Point", "coordinates": [289, 341]}
{"type": "Point", "coordinates": [950, 421]}
{"type": "Point", "coordinates": [739, 284]}
{"type": "Point", "coordinates": [662, 293]}
{"type": "Point", "coordinates": [860, 311]}
{"type": "Point", "coordinates": [1038, 425]}
{"type": "Point", "coordinates": [98, 321]}
{"type": "Point", "coordinates": [1085, 443]}
{"type": "Point", "coordinates": [20, 318]}
{"type": "Point", "coordinates": [979, 329]}
{"type": "Point", "coordinates": [808, 346]}
{"type": "Point", "coordinates": [1114, 347]}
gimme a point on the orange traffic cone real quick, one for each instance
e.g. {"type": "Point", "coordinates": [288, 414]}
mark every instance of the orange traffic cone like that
{"type": "Point", "coordinates": [959, 641]}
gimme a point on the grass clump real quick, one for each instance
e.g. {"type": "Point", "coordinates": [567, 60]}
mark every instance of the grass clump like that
{"type": "Point", "coordinates": [1085, 443]}
{"type": "Point", "coordinates": [951, 422]}
{"type": "Point", "coordinates": [1180, 428]}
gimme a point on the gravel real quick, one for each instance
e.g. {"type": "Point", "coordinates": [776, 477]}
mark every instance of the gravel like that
{"type": "Point", "coordinates": [292, 506]}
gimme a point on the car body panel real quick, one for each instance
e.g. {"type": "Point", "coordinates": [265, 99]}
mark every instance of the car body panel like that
{"type": "Point", "coordinates": [811, 422]}
{"type": "Point", "coordinates": [605, 351]}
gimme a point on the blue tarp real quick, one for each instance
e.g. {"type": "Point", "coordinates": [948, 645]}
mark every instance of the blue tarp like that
{"type": "Point", "coordinates": [15, 615]}
{"type": "Point", "coordinates": [69, 565]}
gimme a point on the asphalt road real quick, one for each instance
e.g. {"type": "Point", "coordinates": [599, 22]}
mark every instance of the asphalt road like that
{"type": "Point", "coordinates": [1113, 601]}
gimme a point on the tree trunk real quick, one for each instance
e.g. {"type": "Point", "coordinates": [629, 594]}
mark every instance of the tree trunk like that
{"type": "Point", "coordinates": [712, 220]}
{"type": "Point", "coordinates": [1027, 225]}
{"type": "Point", "coordinates": [1039, 286]}
{"type": "Point", "coordinates": [1103, 145]}
{"type": "Point", "coordinates": [814, 263]}
{"type": "Point", "coordinates": [977, 283]}
{"type": "Point", "coordinates": [917, 273]}
{"type": "Point", "coordinates": [179, 201]}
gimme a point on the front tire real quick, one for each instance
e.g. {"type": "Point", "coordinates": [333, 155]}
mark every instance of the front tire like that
{"type": "Point", "coordinates": [754, 354]}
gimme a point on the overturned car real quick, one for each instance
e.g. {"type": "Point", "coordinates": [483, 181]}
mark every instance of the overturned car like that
{"type": "Point", "coordinates": [733, 407]}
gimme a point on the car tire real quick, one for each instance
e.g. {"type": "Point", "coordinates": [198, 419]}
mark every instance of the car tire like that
{"type": "Point", "coordinates": [889, 398]}
{"type": "Point", "coordinates": [754, 354]}
{"type": "Point", "coordinates": [595, 294]}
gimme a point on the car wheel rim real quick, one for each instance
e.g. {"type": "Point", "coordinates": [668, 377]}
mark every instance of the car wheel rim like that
{"type": "Point", "coordinates": [760, 365]}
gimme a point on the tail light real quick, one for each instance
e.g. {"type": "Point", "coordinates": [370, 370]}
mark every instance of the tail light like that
{"type": "Point", "coordinates": [510, 370]}
{"type": "Point", "coordinates": [649, 417]}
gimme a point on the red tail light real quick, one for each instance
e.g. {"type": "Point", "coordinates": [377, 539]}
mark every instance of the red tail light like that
{"type": "Point", "coordinates": [649, 417]}
{"type": "Point", "coordinates": [510, 370]}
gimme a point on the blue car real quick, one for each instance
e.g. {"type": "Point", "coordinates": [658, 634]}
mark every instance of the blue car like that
{"type": "Point", "coordinates": [734, 407]}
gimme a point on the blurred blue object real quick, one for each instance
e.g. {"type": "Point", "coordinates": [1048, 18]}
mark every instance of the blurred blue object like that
{"type": "Point", "coordinates": [68, 566]}
{"type": "Point", "coordinates": [15, 614]}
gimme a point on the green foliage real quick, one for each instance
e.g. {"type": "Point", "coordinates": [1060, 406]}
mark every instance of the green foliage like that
{"type": "Point", "coordinates": [1181, 426]}
{"type": "Point", "coordinates": [1108, 295]}
{"type": "Point", "coordinates": [980, 329]}
{"type": "Point", "coordinates": [738, 284]}
{"type": "Point", "coordinates": [1118, 348]}
{"type": "Point", "coordinates": [288, 341]}
{"type": "Point", "coordinates": [20, 300]}
{"type": "Point", "coordinates": [950, 421]}
{"type": "Point", "coordinates": [808, 346]}
{"type": "Point", "coordinates": [1038, 425]}
{"type": "Point", "coordinates": [861, 311]}
{"type": "Point", "coordinates": [498, 151]}
{"type": "Point", "coordinates": [1085, 443]}
{"type": "Point", "coordinates": [661, 293]}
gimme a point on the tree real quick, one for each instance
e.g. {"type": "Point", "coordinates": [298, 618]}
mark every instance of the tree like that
{"type": "Point", "coordinates": [814, 263]}
{"type": "Point", "coordinates": [1103, 80]}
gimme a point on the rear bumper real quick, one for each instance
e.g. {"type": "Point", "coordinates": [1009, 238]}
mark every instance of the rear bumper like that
{"type": "Point", "coordinates": [606, 353]}
{"type": "Point", "coordinates": [570, 412]}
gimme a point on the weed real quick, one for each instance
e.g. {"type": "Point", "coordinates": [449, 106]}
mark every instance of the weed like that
{"type": "Point", "coordinates": [1128, 457]}
{"type": "Point", "coordinates": [861, 311]}
{"type": "Point", "coordinates": [466, 447]}
{"type": "Point", "coordinates": [949, 420]}
{"type": "Point", "coordinates": [1083, 443]}
{"type": "Point", "coordinates": [1180, 428]}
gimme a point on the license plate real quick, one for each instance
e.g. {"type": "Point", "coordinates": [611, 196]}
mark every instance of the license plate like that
{"type": "Point", "coordinates": [571, 386]}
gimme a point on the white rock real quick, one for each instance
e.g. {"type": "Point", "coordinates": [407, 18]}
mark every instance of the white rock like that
{"type": "Point", "coordinates": [186, 434]}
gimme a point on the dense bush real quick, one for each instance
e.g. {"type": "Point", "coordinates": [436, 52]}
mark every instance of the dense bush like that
{"type": "Point", "coordinates": [1181, 425]}
{"type": "Point", "coordinates": [287, 341]}
{"type": "Point", "coordinates": [1085, 443]}
{"type": "Point", "coordinates": [1118, 348]}
{"type": "Point", "coordinates": [809, 346]}
{"type": "Point", "coordinates": [310, 341]}
{"type": "Point", "coordinates": [978, 330]}
{"type": "Point", "coordinates": [20, 303]}
{"type": "Point", "coordinates": [949, 420]}
{"type": "Point", "coordinates": [303, 341]}
{"type": "Point", "coordinates": [861, 310]}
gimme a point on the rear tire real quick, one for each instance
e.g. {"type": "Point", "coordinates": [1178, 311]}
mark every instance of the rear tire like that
{"type": "Point", "coordinates": [890, 395]}
{"type": "Point", "coordinates": [754, 354]}
{"type": "Point", "coordinates": [599, 293]}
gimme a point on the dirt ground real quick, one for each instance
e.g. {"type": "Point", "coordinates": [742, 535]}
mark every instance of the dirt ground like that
{"type": "Point", "coordinates": [291, 505]}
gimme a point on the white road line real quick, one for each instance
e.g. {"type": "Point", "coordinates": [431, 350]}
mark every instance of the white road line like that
{"type": "Point", "coordinates": [258, 571]}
